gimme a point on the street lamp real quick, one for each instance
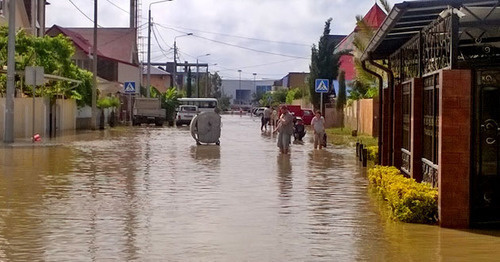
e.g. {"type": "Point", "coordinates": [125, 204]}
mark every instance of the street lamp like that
{"type": "Point", "coordinates": [239, 71]}
{"type": "Point", "coordinates": [148, 79]}
{"type": "Point", "coordinates": [175, 57]}
{"type": "Point", "coordinates": [197, 74]}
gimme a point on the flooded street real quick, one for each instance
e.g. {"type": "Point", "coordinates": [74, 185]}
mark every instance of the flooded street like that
{"type": "Point", "coordinates": [151, 194]}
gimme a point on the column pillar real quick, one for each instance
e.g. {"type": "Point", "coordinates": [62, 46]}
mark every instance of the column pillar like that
{"type": "Point", "coordinates": [454, 154]}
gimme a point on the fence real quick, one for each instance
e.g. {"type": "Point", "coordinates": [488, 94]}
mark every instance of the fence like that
{"type": "Point", "coordinates": [34, 116]}
{"type": "Point", "coordinates": [361, 115]}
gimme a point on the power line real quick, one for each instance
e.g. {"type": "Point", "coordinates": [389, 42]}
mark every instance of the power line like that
{"type": "Point", "coordinates": [115, 5]}
{"type": "Point", "coordinates": [158, 43]}
{"type": "Point", "coordinates": [77, 8]}
{"type": "Point", "coordinates": [237, 46]}
{"type": "Point", "coordinates": [245, 37]}
{"type": "Point", "coordinates": [250, 49]}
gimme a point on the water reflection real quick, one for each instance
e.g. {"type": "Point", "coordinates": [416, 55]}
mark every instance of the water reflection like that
{"type": "Point", "coordinates": [205, 152]}
{"type": "Point", "coordinates": [285, 179]}
{"type": "Point", "coordinates": [150, 194]}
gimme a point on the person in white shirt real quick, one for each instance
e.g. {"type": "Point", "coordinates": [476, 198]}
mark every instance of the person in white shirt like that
{"type": "Point", "coordinates": [318, 125]}
{"type": "Point", "coordinates": [266, 117]}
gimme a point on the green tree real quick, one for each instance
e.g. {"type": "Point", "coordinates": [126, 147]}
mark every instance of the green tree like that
{"type": "Point", "coordinates": [341, 97]}
{"type": "Point", "coordinates": [216, 85]}
{"type": "Point", "coordinates": [290, 96]}
{"type": "Point", "coordinates": [224, 102]}
{"type": "Point", "coordinates": [54, 55]}
{"type": "Point", "coordinates": [170, 101]}
{"type": "Point", "coordinates": [324, 62]}
{"type": "Point", "coordinates": [189, 88]}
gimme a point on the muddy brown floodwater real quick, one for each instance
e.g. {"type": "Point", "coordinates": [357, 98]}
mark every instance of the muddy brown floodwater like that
{"type": "Point", "coordinates": [151, 194]}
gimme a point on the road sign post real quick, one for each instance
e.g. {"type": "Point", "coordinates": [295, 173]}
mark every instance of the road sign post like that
{"type": "Point", "coordinates": [34, 76]}
{"type": "Point", "coordinates": [321, 86]}
{"type": "Point", "coordinates": [129, 89]}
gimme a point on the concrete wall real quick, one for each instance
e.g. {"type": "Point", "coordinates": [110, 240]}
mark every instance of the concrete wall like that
{"type": "Point", "coordinates": [160, 82]}
{"type": "Point", "coordinates": [129, 73]}
{"type": "Point", "coordinates": [359, 116]}
{"type": "Point", "coordinates": [65, 116]}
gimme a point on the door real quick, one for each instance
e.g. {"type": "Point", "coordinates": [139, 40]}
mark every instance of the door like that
{"type": "Point", "coordinates": [485, 182]}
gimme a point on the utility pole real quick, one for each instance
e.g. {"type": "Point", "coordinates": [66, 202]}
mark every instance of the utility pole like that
{"type": "Point", "coordinates": [174, 75]}
{"type": "Point", "coordinates": [93, 118]}
{"type": "Point", "coordinates": [148, 78]}
{"type": "Point", "coordinates": [11, 74]}
{"type": "Point", "coordinates": [198, 75]}
{"type": "Point", "coordinates": [174, 72]}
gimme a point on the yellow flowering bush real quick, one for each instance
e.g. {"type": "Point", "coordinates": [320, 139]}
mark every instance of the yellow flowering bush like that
{"type": "Point", "coordinates": [408, 200]}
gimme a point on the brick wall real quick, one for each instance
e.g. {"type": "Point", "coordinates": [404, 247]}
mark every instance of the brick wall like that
{"type": "Point", "coordinates": [454, 148]}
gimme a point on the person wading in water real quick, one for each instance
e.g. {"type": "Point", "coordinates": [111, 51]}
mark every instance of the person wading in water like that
{"type": "Point", "coordinates": [285, 129]}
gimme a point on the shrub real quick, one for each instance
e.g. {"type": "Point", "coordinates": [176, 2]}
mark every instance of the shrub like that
{"type": "Point", "coordinates": [372, 153]}
{"type": "Point", "coordinates": [408, 200]}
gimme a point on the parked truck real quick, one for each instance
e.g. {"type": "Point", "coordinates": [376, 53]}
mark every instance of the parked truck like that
{"type": "Point", "coordinates": [148, 111]}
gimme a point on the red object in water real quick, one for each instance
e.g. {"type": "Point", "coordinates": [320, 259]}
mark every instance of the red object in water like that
{"type": "Point", "coordinates": [37, 138]}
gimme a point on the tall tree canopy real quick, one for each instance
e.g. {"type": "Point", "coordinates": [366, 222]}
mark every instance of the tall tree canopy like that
{"type": "Point", "coordinates": [54, 55]}
{"type": "Point", "coordinates": [324, 62]}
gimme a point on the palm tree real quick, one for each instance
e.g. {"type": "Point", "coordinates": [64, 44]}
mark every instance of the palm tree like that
{"type": "Point", "coordinates": [364, 86]}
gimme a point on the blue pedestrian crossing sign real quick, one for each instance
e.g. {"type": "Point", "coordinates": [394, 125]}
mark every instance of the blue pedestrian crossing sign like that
{"type": "Point", "coordinates": [129, 87]}
{"type": "Point", "coordinates": [321, 85]}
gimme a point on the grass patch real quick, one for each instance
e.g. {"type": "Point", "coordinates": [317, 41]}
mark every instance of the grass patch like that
{"type": "Point", "coordinates": [343, 136]}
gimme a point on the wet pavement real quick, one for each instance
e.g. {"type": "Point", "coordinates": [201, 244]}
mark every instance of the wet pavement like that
{"type": "Point", "coordinates": [151, 194]}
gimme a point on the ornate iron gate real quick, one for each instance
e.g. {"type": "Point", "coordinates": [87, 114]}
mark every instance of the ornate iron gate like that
{"type": "Point", "coordinates": [485, 181]}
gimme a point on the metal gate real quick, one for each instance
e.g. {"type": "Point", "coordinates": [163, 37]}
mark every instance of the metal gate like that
{"type": "Point", "coordinates": [485, 180]}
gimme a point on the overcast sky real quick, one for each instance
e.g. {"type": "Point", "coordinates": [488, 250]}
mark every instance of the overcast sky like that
{"type": "Point", "coordinates": [266, 37]}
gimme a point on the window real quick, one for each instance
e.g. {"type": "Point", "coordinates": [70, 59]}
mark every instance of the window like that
{"type": "Point", "coordinates": [406, 115]}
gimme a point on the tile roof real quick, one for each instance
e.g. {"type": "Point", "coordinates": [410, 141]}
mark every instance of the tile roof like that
{"type": "Point", "coordinates": [374, 18]}
{"type": "Point", "coordinates": [154, 71]}
{"type": "Point", "coordinates": [114, 43]}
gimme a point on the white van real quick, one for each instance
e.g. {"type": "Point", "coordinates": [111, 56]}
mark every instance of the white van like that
{"type": "Point", "coordinates": [185, 114]}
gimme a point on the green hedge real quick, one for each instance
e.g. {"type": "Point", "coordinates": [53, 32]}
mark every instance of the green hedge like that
{"type": "Point", "coordinates": [372, 153]}
{"type": "Point", "coordinates": [408, 200]}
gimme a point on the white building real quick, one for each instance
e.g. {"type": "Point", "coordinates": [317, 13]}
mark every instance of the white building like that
{"type": "Point", "coordinates": [242, 92]}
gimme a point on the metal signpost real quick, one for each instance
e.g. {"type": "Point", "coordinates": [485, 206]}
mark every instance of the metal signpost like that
{"type": "Point", "coordinates": [321, 86]}
{"type": "Point", "coordinates": [34, 76]}
{"type": "Point", "coordinates": [129, 88]}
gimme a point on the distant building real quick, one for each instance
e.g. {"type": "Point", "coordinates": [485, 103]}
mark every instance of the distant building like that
{"type": "Point", "coordinates": [295, 80]}
{"type": "Point", "coordinates": [243, 92]}
{"type": "Point", "coordinates": [160, 79]}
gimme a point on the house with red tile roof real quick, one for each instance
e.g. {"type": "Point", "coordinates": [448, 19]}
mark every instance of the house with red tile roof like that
{"type": "Point", "coordinates": [117, 59]}
{"type": "Point", "coordinates": [373, 18]}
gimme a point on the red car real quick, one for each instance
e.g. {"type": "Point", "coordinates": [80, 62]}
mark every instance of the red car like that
{"type": "Point", "coordinates": [307, 116]}
{"type": "Point", "coordinates": [294, 110]}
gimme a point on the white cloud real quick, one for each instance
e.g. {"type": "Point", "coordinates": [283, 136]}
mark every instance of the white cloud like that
{"type": "Point", "coordinates": [294, 21]}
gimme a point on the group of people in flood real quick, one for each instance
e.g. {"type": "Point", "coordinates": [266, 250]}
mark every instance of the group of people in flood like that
{"type": "Point", "coordinates": [287, 126]}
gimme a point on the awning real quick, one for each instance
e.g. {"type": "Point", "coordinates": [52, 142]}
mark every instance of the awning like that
{"type": "Point", "coordinates": [408, 18]}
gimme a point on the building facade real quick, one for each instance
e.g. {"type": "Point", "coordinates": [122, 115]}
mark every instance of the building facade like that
{"type": "Point", "coordinates": [440, 115]}
{"type": "Point", "coordinates": [117, 60]}
{"type": "Point", "coordinates": [243, 92]}
{"type": "Point", "coordinates": [30, 15]}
